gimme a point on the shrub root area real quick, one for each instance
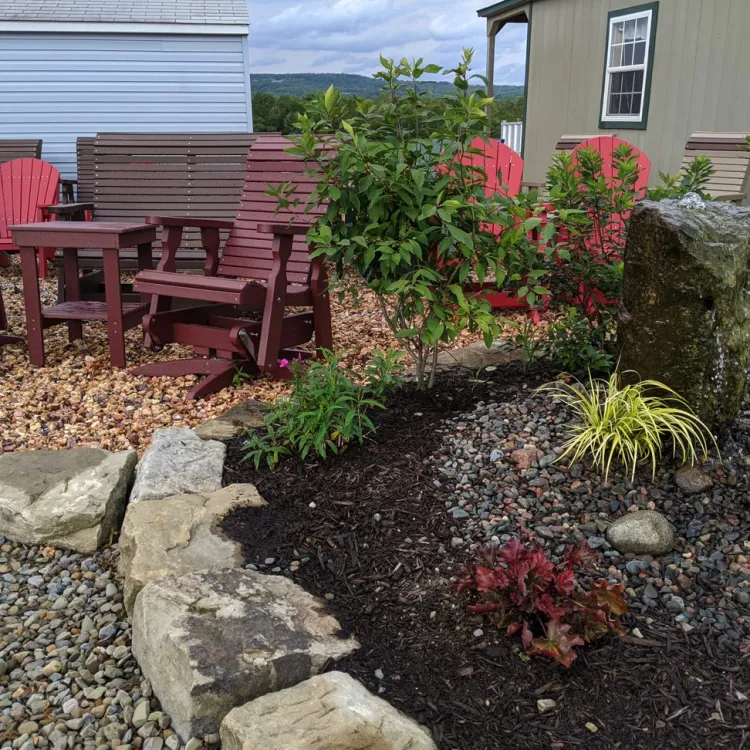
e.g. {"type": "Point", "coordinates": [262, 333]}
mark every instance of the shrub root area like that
{"type": "Point", "coordinates": [368, 532]}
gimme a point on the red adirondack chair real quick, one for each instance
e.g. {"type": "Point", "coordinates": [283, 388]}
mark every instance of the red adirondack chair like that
{"type": "Point", "coordinates": [502, 165]}
{"type": "Point", "coordinates": [28, 187]}
{"type": "Point", "coordinates": [264, 267]}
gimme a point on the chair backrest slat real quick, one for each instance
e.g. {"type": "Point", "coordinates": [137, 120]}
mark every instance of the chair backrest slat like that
{"type": "Point", "coordinates": [247, 252]}
{"type": "Point", "coordinates": [26, 186]}
{"type": "Point", "coordinates": [28, 148]}
{"type": "Point", "coordinates": [86, 169]}
{"type": "Point", "coordinates": [196, 175]}
{"type": "Point", "coordinates": [730, 158]}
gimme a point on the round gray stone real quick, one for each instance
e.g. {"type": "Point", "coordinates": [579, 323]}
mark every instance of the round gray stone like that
{"type": "Point", "coordinates": [692, 479]}
{"type": "Point", "coordinates": [643, 532]}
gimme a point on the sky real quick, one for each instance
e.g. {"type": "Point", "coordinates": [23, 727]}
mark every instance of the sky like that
{"type": "Point", "coordinates": [347, 36]}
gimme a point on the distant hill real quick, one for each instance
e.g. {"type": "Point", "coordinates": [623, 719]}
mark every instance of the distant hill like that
{"type": "Point", "coordinates": [299, 84]}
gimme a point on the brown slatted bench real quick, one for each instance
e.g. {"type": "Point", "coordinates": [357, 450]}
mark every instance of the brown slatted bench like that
{"type": "Point", "coordinates": [20, 149]}
{"type": "Point", "coordinates": [176, 174]}
{"type": "Point", "coordinates": [730, 159]}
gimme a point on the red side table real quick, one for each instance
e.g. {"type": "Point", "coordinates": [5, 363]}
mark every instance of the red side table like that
{"type": "Point", "coordinates": [110, 237]}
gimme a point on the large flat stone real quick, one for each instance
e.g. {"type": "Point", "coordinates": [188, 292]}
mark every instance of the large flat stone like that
{"type": "Point", "coordinates": [248, 415]}
{"type": "Point", "coordinates": [329, 712]}
{"type": "Point", "coordinates": [178, 535]}
{"type": "Point", "coordinates": [178, 462]}
{"type": "Point", "coordinates": [643, 532]}
{"type": "Point", "coordinates": [213, 640]}
{"type": "Point", "coordinates": [478, 356]}
{"type": "Point", "coordinates": [69, 499]}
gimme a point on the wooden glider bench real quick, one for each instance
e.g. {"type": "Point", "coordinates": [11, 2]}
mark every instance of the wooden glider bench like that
{"type": "Point", "coordinates": [240, 319]}
{"type": "Point", "coordinates": [130, 175]}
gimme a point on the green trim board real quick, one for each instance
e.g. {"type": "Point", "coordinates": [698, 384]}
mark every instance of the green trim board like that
{"type": "Point", "coordinates": [490, 10]}
{"type": "Point", "coordinates": [630, 124]}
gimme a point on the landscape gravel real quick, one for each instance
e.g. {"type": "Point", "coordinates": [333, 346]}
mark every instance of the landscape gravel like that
{"type": "Point", "coordinates": [501, 472]}
{"type": "Point", "coordinates": [68, 679]}
{"type": "Point", "coordinates": [79, 400]}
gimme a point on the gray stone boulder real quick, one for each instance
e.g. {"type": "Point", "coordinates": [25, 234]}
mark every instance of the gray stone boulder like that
{"type": "Point", "coordinates": [178, 462]}
{"type": "Point", "coordinates": [178, 535]}
{"type": "Point", "coordinates": [685, 313]}
{"type": "Point", "coordinates": [249, 415]}
{"type": "Point", "coordinates": [329, 712]}
{"type": "Point", "coordinates": [644, 532]}
{"type": "Point", "coordinates": [692, 479]}
{"type": "Point", "coordinates": [68, 499]}
{"type": "Point", "coordinates": [213, 640]}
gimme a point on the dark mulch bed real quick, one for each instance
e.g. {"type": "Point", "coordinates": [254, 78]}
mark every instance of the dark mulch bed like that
{"type": "Point", "coordinates": [378, 543]}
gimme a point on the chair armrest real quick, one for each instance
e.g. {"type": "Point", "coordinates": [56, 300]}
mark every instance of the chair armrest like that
{"type": "Point", "coordinates": [65, 209]}
{"type": "Point", "coordinates": [186, 221]}
{"type": "Point", "coordinates": [283, 229]}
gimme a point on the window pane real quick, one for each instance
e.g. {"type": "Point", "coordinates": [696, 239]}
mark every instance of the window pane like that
{"type": "Point", "coordinates": [637, 81]}
{"type": "Point", "coordinates": [642, 28]}
{"type": "Point", "coordinates": [616, 83]}
{"type": "Point", "coordinates": [626, 101]}
{"type": "Point", "coordinates": [639, 56]}
{"type": "Point", "coordinates": [617, 33]}
{"type": "Point", "coordinates": [615, 56]}
{"type": "Point", "coordinates": [627, 54]}
{"type": "Point", "coordinates": [636, 104]}
{"type": "Point", "coordinates": [627, 83]}
{"type": "Point", "coordinates": [614, 104]}
{"type": "Point", "coordinates": [629, 30]}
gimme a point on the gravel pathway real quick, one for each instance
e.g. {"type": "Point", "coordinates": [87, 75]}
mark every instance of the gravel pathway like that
{"type": "Point", "coordinates": [67, 676]}
{"type": "Point", "coordinates": [704, 583]}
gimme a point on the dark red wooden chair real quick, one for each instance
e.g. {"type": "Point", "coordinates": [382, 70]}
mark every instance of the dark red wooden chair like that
{"type": "Point", "coordinates": [242, 322]}
{"type": "Point", "coordinates": [28, 187]}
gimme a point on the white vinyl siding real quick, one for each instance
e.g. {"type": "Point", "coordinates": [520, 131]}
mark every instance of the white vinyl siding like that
{"type": "Point", "coordinates": [58, 86]}
{"type": "Point", "coordinates": [626, 77]}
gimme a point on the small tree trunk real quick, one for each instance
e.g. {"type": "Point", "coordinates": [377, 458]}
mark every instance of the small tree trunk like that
{"type": "Point", "coordinates": [434, 365]}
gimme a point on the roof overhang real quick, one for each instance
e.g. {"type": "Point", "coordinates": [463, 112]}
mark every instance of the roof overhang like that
{"type": "Point", "coordinates": [509, 10]}
{"type": "Point", "coordinates": [77, 27]}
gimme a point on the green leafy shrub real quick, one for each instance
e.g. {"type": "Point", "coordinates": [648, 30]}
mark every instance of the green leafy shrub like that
{"type": "Point", "coordinates": [579, 344]}
{"type": "Point", "coordinates": [407, 215]}
{"type": "Point", "coordinates": [521, 590]}
{"type": "Point", "coordinates": [326, 410]}
{"type": "Point", "coordinates": [628, 424]}
{"type": "Point", "coordinates": [693, 179]}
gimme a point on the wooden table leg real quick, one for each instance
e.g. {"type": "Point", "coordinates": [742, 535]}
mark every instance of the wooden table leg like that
{"type": "Point", "coordinates": [146, 263]}
{"type": "Point", "coordinates": [33, 304]}
{"type": "Point", "coordinates": [113, 296]}
{"type": "Point", "coordinates": [73, 286]}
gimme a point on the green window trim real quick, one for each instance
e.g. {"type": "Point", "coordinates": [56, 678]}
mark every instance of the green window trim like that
{"type": "Point", "coordinates": [630, 124]}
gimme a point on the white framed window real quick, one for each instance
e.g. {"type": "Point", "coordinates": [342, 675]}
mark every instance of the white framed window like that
{"type": "Point", "coordinates": [627, 75]}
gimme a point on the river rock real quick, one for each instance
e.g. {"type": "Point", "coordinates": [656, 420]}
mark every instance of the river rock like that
{"type": "Point", "coordinates": [685, 313]}
{"type": "Point", "coordinates": [213, 640]}
{"type": "Point", "coordinates": [178, 462]}
{"type": "Point", "coordinates": [644, 532]}
{"type": "Point", "coordinates": [178, 535]}
{"type": "Point", "coordinates": [248, 415]}
{"type": "Point", "coordinates": [70, 499]}
{"type": "Point", "coordinates": [692, 479]}
{"type": "Point", "coordinates": [332, 711]}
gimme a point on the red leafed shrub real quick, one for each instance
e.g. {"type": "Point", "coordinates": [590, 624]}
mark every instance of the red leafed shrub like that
{"type": "Point", "coordinates": [522, 590]}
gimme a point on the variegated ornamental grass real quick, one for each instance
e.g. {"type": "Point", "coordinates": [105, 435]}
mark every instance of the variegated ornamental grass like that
{"type": "Point", "coordinates": [629, 424]}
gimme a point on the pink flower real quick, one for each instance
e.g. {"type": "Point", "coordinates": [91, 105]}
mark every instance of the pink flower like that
{"type": "Point", "coordinates": [284, 363]}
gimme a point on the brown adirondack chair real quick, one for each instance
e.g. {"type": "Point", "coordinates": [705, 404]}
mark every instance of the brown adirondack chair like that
{"type": "Point", "coordinates": [265, 267]}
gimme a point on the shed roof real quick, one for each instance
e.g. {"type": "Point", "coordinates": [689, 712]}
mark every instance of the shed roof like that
{"type": "Point", "coordinates": [223, 12]}
{"type": "Point", "coordinates": [498, 7]}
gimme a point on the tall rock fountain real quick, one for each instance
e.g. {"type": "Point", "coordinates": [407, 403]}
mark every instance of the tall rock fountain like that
{"type": "Point", "coordinates": [685, 313]}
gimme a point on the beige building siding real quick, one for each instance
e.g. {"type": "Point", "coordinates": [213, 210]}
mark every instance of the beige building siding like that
{"type": "Point", "coordinates": [700, 79]}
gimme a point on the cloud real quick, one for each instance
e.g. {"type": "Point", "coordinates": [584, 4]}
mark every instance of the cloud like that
{"type": "Point", "coordinates": [349, 35]}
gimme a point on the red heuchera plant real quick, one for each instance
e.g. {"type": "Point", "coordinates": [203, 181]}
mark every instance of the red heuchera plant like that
{"type": "Point", "coordinates": [522, 590]}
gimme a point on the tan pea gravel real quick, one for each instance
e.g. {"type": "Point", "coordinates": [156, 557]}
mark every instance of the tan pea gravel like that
{"type": "Point", "coordinates": [79, 400]}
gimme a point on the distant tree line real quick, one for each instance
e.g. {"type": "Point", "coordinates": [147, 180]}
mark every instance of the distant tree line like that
{"type": "Point", "coordinates": [278, 114]}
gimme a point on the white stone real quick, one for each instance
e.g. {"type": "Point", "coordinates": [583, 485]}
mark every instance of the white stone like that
{"type": "Point", "coordinates": [178, 535]}
{"type": "Point", "coordinates": [329, 712]}
{"type": "Point", "coordinates": [644, 532]}
{"type": "Point", "coordinates": [68, 499]}
{"type": "Point", "coordinates": [213, 640]}
{"type": "Point", "coordinates": [178, 462]}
